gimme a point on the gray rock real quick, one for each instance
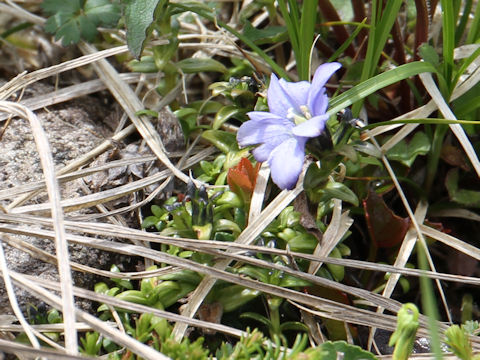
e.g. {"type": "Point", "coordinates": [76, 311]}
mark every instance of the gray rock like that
{"type": "Point", "coordinates": [72, 130]}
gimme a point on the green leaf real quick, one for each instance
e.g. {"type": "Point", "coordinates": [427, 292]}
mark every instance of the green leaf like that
{"type": "Point", "coordinates": [254, 316]}
{"type": "Point", "coordinates": [337, 271]}
{"type": "Point", "coordinates": [464, 197]}
{"type": "Point", "coordinates": [336, 190]}
{"type": "Point", "coordinates": [139, 15]}
{"type": "Point", "coordinates": [69, 32]}
{"type": "Point", "coordinates": [224, 141]}
{"type": "Point", "coordinates": [332, 350]}
{"type": "Point", "coordinates": [70, 22]}
{"type": "Point", "coordinates": [224, 114]}
{"type": "Point", "coordinates": [147, 112]}
{"type": "Point", "coordinates": [375, 83]}
{"type": "Point", "coordinates": [87, 28]}
{"type": "Point", "coordinates": [303, 243]}
{"type": "Point", "coordinates": [150, 221]}
{"type": "Point", "coordinates": [233, 296]}
{"type": "Point", "coordinates": [146, 64]}
{"type": "Point", "coordinates": [407, 153]}
{"type": "Point", "coordinates": [54, 6]}
{"type": "Point", "coordinates": [269, 35]}
{"type": "Point", "coordinates": [102, 12]}
{"type": "Point", "coordinates": [134, 296]}
{"type": "Point", "coordinates": [429, 54]}
{"type": "Point", "coordinates": [196, 65]}
{"type": "Point", "coordinates": [294, 326]}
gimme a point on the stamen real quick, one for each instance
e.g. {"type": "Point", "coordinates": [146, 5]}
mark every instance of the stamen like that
{"type": "Point", "coordinates": [291, 113]}
{"type": "Point", "coordinates": [306, 111]}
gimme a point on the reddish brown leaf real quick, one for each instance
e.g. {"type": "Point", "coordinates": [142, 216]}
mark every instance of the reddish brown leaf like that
{"type": "Point", "coordinates": [386, 229]}
{"type": "Point", "coordinates": [454, 156]}
{"type": "Point", "coordinates": [242, 178]}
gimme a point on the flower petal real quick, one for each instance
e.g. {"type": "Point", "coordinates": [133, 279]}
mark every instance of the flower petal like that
{"type": "Point", "coordinates": [323, 73]}
{"type": "Point", "coordinates": [317, 99]}
{"type": "Point", "coordinates": [262, 128]}
{"type": "Point", "coordinates": [318, 102]}
{"type": "Point", "coordinates": [262, 153]}
{"type": "Point", "coordinates": [279, 102]}
{"type": "Point", "coordinates": [286, 162]}
{"type": "Point", "coordinates": [297, 92]}
{"type": "Point", "coordinates": [312, 127]}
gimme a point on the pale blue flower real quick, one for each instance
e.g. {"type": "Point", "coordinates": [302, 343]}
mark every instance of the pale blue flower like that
{"type": "Point", "coordinates": [297, 113]}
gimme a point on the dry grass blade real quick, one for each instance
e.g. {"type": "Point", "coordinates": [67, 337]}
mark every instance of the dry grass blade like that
{"type": "Point", "coordinates": [82, 160]}
{"type": "Point", "coordinates": [57, 218]}
{"type": "Point", "coordinates": [259, 193]}
{"type": "Point", "coordinates": [339, 225]}
{"type": "Point", "coordinates": [33, 353]}
{"type": "Point", "coordinates": [337, 310]}
{"type": "Point", "coordinates": [38, 185]}
{"type": "Point", "coordinates": [24, 80]}
{"type": "Point", "coordinates": [142, 309]}
{"type": "Point", "coordinates": [212, 247]}
{"type": "Point", "coordinates": [70, 92]}
{"type": "Point", "coordinates": [129, 101]}
{"type": "Point", "coordinates": [414, 222]}
{"type": "Point", "coordinates": [452, 241]}
{"type": "Point", "coordinates": [13, 300]}
{"type": "Point", "coordinates": [111, 194]}
{"type": "Point", "coordinates": [329, 309]}
{"type": "Point", "coordinates": [425, 110]}
{"type": "Point", "coordinates": [448, 114]}
{"type": "Point", "coordinates": [408, 244]}
{"type": "Point", "coordinates": [117, 336]}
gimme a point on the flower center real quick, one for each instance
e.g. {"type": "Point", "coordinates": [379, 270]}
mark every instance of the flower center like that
{"type": "Point", "coordinates": [299, 118]}
{"type": "Point", "coordinates": [306, 112]}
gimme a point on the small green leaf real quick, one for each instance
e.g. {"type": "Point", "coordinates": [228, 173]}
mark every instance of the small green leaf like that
{"type": "Point", "coordinates": [148, 112]}
{"type": "Point", "coordinates": [149, 222]}
{"type": "Point", "coordinates": [102, 12]}
{"type": "Point", "coordinates": [134, 296]}
{"type": "Point", "coordinates": [305, 243]}
{"type": "Point", "coordinates": [196, 65]}
{"type": "Point", "coordinates": [429, 54]}
{"type": "Point", "coordinates": [68, 32]}
{"type": "Point", "coordinates": [70, 22]}
{"type": "Point", "coordinates": [470, 198]}
{"type": "Point", "coordinates": [54, 6]}
{"type": "Point", "coordinates": [146, 64]}
{"type": "Point", "coordinates": [224, 114]}
{"type": "Point", "coordinates": [269, 35]}
{"type": "Point", "coordinates": [336, 190]}
{"type": "Point", "coordinates": [87, 28]}
{"type": "Point", "coordinates": [337, 271]}
{"type": "Point", "coordinates": [224, 141]}
{"type": "Point", "coordinates": [332, 350]}
{"type": "Point", "coordinates": [139, 15]}
{"type": "Point", "coordinates": [407, 153]}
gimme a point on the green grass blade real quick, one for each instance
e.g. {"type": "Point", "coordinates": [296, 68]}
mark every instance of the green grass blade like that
{"type": "Point", "coordinates": [367, 87]}
{"type": "Point", "coordinates": [474, 27]}
{"type": "Point", "coordinates": [292, 27]}
{"type": "Point", "coordinates": [465, 65]}
{"type": "Point", "coordinates": [342, 47]}
{"type": "Point", "coordinates": [424, 121]}
{"type": "Point", "coordinates": [381, 25]}
{"type": "Point", "coordinates": [307, 31]}
{"type": "Point", "coordinates": [429, 303]}
{"type": "Point", "coordinates": [462, 24]}
{"type": "Point", "coordinates": [448, 32]}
